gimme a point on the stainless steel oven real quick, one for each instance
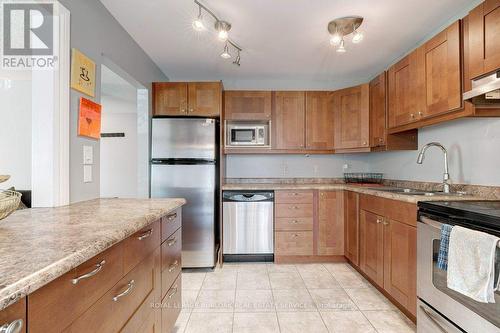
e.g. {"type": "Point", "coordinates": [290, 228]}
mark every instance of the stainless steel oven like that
{"type": "Point", "coordinates": [440, 309]}
{"type": "Point", "coordinates": [249, 134]}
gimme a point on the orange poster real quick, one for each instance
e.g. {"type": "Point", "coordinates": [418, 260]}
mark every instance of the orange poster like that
{"type": "Point", "coordinates": [89, 119]}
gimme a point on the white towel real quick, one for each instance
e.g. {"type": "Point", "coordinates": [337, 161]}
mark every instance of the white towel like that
{"type": "Point", "coordinates": [471, 264]}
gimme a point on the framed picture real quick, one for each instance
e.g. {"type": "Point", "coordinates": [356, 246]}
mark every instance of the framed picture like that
{"type": "Point", "coordinates": [82, 73]}
{"type": "Point", "coordinates": [89, 119]}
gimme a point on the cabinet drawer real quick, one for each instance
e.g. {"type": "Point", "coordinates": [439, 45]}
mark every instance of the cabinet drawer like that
{"type": "Point", "coordinates": [171, 305]}
{"type": "Point", "coordinates": [294, 223]}
{"type": "Point", "coordinates": [170, 223]}
{"type": "Point", "coordinates": [140, 244]}
{"type": "Point", "coordinates": [147, 318]}
{"type": "Point", "coordinates": [294, 210]}
{"type": "Point", "coordinates": [170, 260]}
{"type": "Point", "coordinates": [14, 312]}
{"type": "Point", "coordinates": [299, 243]}
{"type": "Point", "coordinates": [56, 305]}
{"type": "Point", "coordinates": [294, 197]}
{"type": "Point", "coordinates": [116, 307]}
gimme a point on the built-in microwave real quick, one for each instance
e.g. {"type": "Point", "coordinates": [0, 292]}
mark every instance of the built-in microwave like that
{"type": "Point", "coordinates": [249, 134]}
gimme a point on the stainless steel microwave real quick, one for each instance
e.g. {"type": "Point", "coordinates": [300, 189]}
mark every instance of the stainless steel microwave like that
{"type": "Point", "coordinates": [248, 134]}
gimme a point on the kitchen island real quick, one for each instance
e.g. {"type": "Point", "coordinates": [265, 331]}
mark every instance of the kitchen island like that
{"type": "Point", "coordinates": [39, 247]}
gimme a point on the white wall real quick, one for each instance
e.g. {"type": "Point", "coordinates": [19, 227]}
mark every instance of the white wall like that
{"type": "Point", "coordinates": [15, 128]}
{"type": "Point", "coordinates": [118, 165]}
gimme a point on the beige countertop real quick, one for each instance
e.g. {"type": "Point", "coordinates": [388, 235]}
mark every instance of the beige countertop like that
{"type": "Point", "coordinates": [349, 187]}
{"type": "Point", "coordinates": [38, 245]}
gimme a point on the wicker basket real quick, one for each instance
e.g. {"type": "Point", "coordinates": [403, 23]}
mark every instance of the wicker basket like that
{"type": "Point", "coordinates": [9, 201]}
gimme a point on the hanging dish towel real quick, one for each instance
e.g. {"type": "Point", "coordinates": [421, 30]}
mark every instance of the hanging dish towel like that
{"type": "Point", "coordinates": [442, 261]}
{"type": "Point", "coordinates": [471, 264]}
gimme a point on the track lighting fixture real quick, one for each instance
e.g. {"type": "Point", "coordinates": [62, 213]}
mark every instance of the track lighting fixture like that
{"type": "Point", "coordinates": [342, 27]}
{"type": "Point", "coordinates": [221, 28]}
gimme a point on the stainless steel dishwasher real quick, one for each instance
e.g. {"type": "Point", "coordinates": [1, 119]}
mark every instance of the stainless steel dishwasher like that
{"type": "Point", "coordinates": [248, 226]}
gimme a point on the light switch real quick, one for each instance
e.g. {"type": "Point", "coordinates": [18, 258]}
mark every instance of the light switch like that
{"type": "Point", "coordinates": [87, 173]}
{"type": "Point", "coordinates": [88, 155]}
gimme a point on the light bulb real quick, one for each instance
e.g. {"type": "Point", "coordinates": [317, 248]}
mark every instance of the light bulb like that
{"type": "Point", "coordinates": [341, 48]}
{"type": "Point", "coordinates": [335, 39]}
{"type": "Point", "coordinates": [198, 23]}
{"type": "Point", "coordinates": [225, 54]}
{"type": "Point", "coordinates": [357, 37]}
{"type": "Point", "coordinates": [223, 35]}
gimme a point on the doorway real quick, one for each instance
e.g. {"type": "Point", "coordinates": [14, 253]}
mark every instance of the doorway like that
{"type": "Point", "coordinates": [124, 136]}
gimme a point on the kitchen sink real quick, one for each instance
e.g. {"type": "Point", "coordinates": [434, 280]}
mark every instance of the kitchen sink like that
{"type": "Point", "coordinates": [411, 191]}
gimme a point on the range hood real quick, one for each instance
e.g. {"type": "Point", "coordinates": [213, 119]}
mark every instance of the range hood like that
{"type": "Point", "coordinates": [485, 91]}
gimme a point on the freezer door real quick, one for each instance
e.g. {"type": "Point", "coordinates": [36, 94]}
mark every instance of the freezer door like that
{"type": "Point", "coordinates": [183, 138]}
{"type": "Point", "coordinates": [195, 183]}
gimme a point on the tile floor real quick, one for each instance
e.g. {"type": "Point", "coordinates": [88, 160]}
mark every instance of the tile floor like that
{"type": "Point", "coordinates": [304, 298]}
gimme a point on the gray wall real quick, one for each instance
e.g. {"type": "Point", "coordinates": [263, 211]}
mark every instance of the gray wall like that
{"type": "Point", "coordinates": [96, 33]}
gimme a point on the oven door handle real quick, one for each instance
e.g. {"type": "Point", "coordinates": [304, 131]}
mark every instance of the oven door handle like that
{"type": "Point", "coordinates": [433, 320]}
{"type": "Point", "coordinates": [431, 223]}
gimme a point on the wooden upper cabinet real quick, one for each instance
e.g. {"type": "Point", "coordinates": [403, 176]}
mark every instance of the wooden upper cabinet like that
{"type": "Point", "coordinates": [289, 120]}
{"type": "Point", "coordinates": [351, 218]}
{"type": "Point", "coordinates": [331, 223]}
{"type": "Point", "coordinates": [443, 74]}
{"type": "Point", "coordinates": [170, 98]}
{"type": "Point", "coordinates": [371, 248]}
{"type": "Point", "coordinates": [247, 105]}
{"type": "Point", "coordinates": [378, 111]}
{"type": "Point", "coordinates": [405, 89]}
{"type": "Point", "coordinates": [484, 38]}
{"type": "Point", "coordinates": [400, 258]}
{"type": "Point", "coordinates": [204, 99]}
{"type": "Point", "coordinates": [319, 120]}
{"type": "Point", "coordinates": [352, 116]}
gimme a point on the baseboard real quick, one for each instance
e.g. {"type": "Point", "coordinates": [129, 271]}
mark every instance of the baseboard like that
{"type": "Point", "coordinates": [307, 259]}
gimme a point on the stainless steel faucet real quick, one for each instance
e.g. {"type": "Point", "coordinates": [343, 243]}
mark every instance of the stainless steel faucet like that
{"type": "Point", "coordinates": [446, 175]}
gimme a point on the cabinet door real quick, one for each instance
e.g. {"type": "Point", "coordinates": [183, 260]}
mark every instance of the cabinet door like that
{"type": "Point", "coordinates": [319, 120]}
{"type": "Point", "coordinates": [247, 105]}
{"type": "Point", "coordinates": [204, 99]}
{"type": "Point", "coordinates": [372, 246]}
{"type": "Point", "coordinates": [405, 89]}
{"type": "Point", "coordinates": [289, 120]}
{"type": "Point", "coordinates": [352, 116]}
{"type": "Point", "coordinates": [170, 99]}
{"type": "Point", "coordinates": [400, 261]}
{"type": "Point", "coordinates": [443, 75]}
{"type": "Point", "coordinates": [484, 38]}
{"type": "Point", "coordinates": [351, 217]}
{"type": "Point", "coordinates": [331, 223]}
{"type": "Point", "coordinates": [15, 312]}
{"type": "Point", "coordinates": [378, 111]}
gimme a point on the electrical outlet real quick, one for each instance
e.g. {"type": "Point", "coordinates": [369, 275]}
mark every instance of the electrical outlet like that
{"type": "Point", "coordinates": [315, 169]}
{"type": "Point", "coordinates": [285, 169]}
{"type": "Point", "coordinates": [346, 166]}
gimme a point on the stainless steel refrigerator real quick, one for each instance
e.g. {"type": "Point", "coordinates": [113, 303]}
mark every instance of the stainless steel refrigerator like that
{"type": "Point", "coordinates": [184, 154]}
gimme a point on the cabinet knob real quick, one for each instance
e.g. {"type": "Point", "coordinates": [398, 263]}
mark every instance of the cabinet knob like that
{"type": "Point", "coordinates": [365, 143]}
{"type": "Point", "coordinates": [191, 110]}
{"type": "Point", "coordinates": [412, 115]}
{"type": "Point", "coordinates": [420, 113]}
{"type": "Point", "coordinates": [379, 220]}
{"type": "Point", "coordinates": [381, 140]}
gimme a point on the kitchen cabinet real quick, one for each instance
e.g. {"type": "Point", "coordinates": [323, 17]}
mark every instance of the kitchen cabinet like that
{"type": "Point", "coordinates": [289, 120]}
{"type": "Point", "coordinates": [330, 223]}
{"type": "Point", "coordinates": [14, 316]}
{"type": "Point", "coordinates": [247, 105]}
{"type": "Point", "coordinates": [388, 247]}
{"type": "Point", "coordinates": [443, 72]}
{"type": "Point", "coordinates": [352, 116]}
{"type": "Point", "coordinates": [351, 220]}
{"type": "Point", "coordinates": [202, 99]}
{"type": "Point", "coordinates": [378, 111]}
{"type": "Point", "coordinates": [319, 120]}
{"type": "Point", "coordinates": [484, 39]}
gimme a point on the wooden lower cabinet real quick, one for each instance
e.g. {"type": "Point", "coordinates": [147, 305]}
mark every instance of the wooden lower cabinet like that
{"type": "Point", "coordinates": [351, 226]}
{"type": "Point", "coordinates": [330, 223]}
{"type": "Point", "coordinates": [372, 246]}
{"type": "Point", "coordinates": [119, 290]}
{"type": "Point", "coordinates": [294, 243]}
{"type": "Point", "coordinates": [14, 316]}
{"type": "Point", "coordinates": [171, 305]}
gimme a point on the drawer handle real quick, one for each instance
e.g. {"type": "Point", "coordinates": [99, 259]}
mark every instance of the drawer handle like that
{"type": "Point", "coordinates": [13, 327]}
{"type": "Point", "coordinates": [295, 193]}
{"type": "Point", "coordinates": [172, 267]}
{"type": "Point", "coordinates": [173, 292]}
{"type": "Point", "coordinates": [379, 220]}
{"type": "Point", "coordinates": [145, 235]}
{"type": "Point", "coordinates": [294, 207]}
{"type": "Point", "coordinates": [172, 241]}
{"type": "Point", "coordinates": [127, 291]}
{"type": "Point", "coordinates": [294, 221]}
{"type": "Point", "coordinates": [97, 269]}
{"type": "Point", "coordinates": [295, 235]}
{"type": "Point", "coordinates": [171, 217]}
{"type": "Point", "coordinates": [386, 223]}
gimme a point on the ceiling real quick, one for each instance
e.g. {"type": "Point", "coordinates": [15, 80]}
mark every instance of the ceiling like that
{"type": "Point", "coordinates": [286, 44]}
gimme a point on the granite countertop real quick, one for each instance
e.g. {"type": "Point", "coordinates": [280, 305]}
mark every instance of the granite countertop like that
{"type": "Point", "coordinates": [350, 187]}
{"type": "Point", "coordinates": [39, 245]}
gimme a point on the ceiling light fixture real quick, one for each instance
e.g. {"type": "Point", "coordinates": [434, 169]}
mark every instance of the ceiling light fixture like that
{"type": "Point", "coordinates": [221, 28]}
{"type": "Point", "coordinates": [343, 26]}
{"type": "Point", "coordinates": [225, 54]}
